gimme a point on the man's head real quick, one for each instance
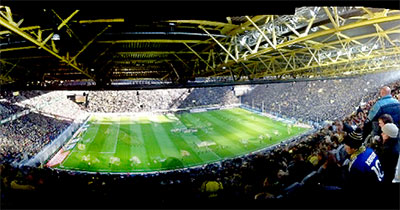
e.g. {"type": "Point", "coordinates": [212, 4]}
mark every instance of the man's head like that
{"type": "Point", "coordinates": [385, 90]}
{"type": "Point", "coordinates": [389, 130]}
{"type": "Point", "coordinates": [385, 118]}
{"type": "Point", "coordinates": [353, 141]}
{"type": "Point", "coordinates": [339, 125]}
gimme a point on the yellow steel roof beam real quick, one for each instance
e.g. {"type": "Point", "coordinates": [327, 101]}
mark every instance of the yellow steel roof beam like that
{"type": "Point", "coordinates": [158, 52]}
{"type": "Point", "coordinates": [322, 33]}
{"type": "Point", "coordinates": [246, 25]}
{"type": "Point", "coordinates": [90, 42]}
{"type": "Point", "coordinates": [16, 30]}
{"type": "Point", "coordinates": [328, 13]}
{"type": "Point", "coordinates": [262, 33]}
{"type": "Point", "coordinates": [64, 22]}
{"type": "Point", "coordinates": [27, 58]}
{"type": "Point", "coordinates": [22, 29]}
{"type": "Point", "coordinates": [346, 61]}
{"type": "Point", "coordinates": [229, 49]}
{"type": "Point", "coordinates": [198, 56]}
{"type": "Point", "coordinates": [17, 48]}
{"type": "Point", "coordinates": [203, 22]}
{"type": "Point", "coordinates": [147, 61]}
{"type": "Point", "coordinates": [166, 41]}
{"type": "Point", "coordinates": [7, 15]}
{"type": "Point", "coordinates": [353, 68]}
{"type": "Point", "coordinates": [115, 20]}
{"type": "Point", "coordinates": [181, 61]}
{"type": "Point", "coordinates": [340, 34]}
{"type": "Point", "coordinates": [380, 54]}
{"type": "Point", "coordinates": [201, 27]}
{"type": "Point", "coordinates": [329, 44]}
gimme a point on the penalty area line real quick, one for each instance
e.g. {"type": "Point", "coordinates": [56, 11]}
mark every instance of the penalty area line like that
{"type": "Point", "coordinates": [116, 139]}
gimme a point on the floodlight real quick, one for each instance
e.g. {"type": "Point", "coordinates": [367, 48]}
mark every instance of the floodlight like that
{"type": "Point", "coordinates": [56, 37]}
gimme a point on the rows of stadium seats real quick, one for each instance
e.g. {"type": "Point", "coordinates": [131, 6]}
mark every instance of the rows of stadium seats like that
{"type": "Point", "coordinates": [316, 100]}
{"type": "Point", "coordinates": [152, 100]}
{"type": "Point", "coordinates": [8, 109]}
{"type": "Point", "coordinates": [28, 135]}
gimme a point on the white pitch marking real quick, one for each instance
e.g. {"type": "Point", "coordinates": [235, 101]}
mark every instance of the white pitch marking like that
{"type": "Point", "coordinates": [116, 139]}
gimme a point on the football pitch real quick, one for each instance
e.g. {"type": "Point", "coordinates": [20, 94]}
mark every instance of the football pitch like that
{"type": "Point", "coordinates": [155, 142]}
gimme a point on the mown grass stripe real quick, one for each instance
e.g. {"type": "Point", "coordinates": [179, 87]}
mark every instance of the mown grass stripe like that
{"type": "Point", "coordinates": [76, 155]}
{"type": "Point", "coordinates": [99, 139]}
{"type": "Point", "coordinates": [139, 149]}
{"type": "Point", "coordinates": [237, 125]}
{"type": "Point", "coordinates": [123, 150]}
{"type": "Point", "coordinates": [167, 148]}
{"type": "Point", "coordinates": [208, 155]}
{"type": "Point", "coordinates": [256, 118]}
{"type": "Point", "coordinates": [89, 134]}
{"type": "Point", "coordinates": [236, 134]}
{"type": "Point", "coordinates": [110, 139]}
{"type": "Point", "coordinates": [229, 150]}
{"type": "Point", "coordinates": [250, 120]}
{"type": "Point", "coordinates": [152, 148]}
{"type": "Point", "coordinates": [182, 143]}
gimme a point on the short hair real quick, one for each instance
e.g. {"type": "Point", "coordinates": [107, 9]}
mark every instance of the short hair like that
{"type": "Point", "coordinates": [386, 118]}
{"type": "Point", "coordinates": [385, 90]}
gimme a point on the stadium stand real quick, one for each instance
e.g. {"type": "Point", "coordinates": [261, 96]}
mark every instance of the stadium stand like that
{"type": "Point", "coordinates": [152, 100]}
{"type": "Point", "coordinates": [316, 100]}
{"type": "Point", "coordinates": [254, 180]}
{"type": "Point", "coordinates": [7, 109]}
{"type": "Point", "coordinates": [24, 137]}
{"type": "Point", "coordinates": [133, 101]}
{"type": "Point", "coordinates": [209, 96]}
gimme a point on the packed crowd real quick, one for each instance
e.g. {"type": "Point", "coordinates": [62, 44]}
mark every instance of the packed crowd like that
{"type": "Point", "coordinates": [312, 167]}
{"type": "Point", "coordinates": [50, 102]}
{"type": "Point", "coordinates": [18, 96]}
{"type": "Point", "coordinates": [55, 103]}
{"type": "Point", "coordinates": [209, 96]}
{"type": "Point", "coordinates": [152, 100]}
{"type": "Point", "coordinates": [316, 100]}
{"type": "Point", "coordinates": [50, 114]}
{"type": "Point", "coordinates": [8, 109]}
{"type": "Point", "coordinates": [9, 102]}
{"type": "Point", "coordinates": [26, 136]}
{"type": "Point", "coordinates": [133, 101]}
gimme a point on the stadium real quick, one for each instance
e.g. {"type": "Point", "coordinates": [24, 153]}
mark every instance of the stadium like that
{"type": "Point", "coordinates": [251, 107]}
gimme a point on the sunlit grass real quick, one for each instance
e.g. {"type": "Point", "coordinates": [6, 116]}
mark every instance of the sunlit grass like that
{"type": "Point", "coordinates": [151, 142]}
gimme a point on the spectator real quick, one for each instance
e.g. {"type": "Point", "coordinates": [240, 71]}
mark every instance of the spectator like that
{"type": "Point", "coordinates": [385, 105]}
{"type": "Point", "coordinates": [331, 172]}
{"type": "Point", "coordinates": [342, 127]}
{"type": "Point", "coordinates": [299, 168]}
{"type": "Point", "coordinates": [364, 170]}
{"type": "Point", "coordinates": [212, 188]}
{"type": "Point", "coordinates": [384, 119]}
{"type": "Point", "coordinates": [390, 151]}
{"type": "Point", "coordinates": [382, 106]}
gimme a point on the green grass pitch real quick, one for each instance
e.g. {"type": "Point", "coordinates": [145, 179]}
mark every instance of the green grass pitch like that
{"type": "Point", "coordinates": [154, 142]}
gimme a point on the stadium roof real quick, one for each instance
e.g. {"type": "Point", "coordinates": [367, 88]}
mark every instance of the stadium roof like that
{"type": "Point", "coordinates": [117, 44]}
